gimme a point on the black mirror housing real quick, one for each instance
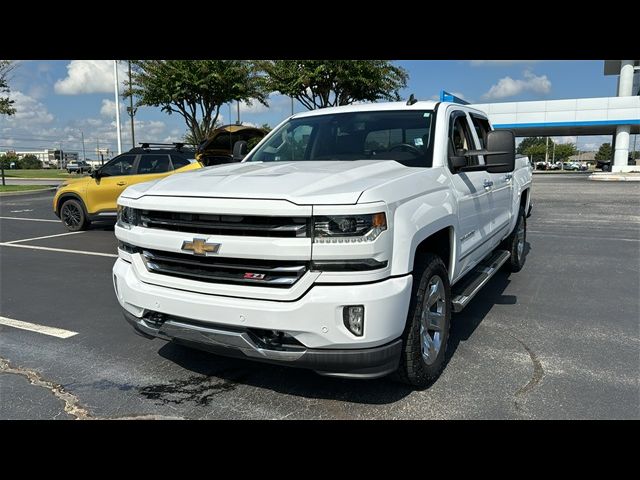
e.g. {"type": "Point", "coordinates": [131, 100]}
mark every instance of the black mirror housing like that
{"type": "Point", "coordinates": [503, 141]}
{"type": "Point", "coordinates": [240, 150]}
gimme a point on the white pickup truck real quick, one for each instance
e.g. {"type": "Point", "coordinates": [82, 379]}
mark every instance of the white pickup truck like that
{"type": "Point", "coordinates": [341, 243]}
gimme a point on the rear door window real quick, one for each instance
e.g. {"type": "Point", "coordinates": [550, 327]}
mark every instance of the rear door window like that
{"type": "Point", "coordinates": [153, 163]}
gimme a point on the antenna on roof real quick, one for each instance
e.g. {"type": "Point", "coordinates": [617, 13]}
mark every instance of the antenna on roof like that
{"type": "Point", "coordinates": [412, 99]}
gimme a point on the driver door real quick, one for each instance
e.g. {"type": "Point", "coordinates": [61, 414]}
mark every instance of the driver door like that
{"type": "Point", "coordinates": [103, 192]}
{"type": "Point", "coordinates": [473, 193]}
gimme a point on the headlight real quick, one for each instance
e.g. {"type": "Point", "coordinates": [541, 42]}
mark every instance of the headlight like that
{"type": "Point", "coordinates": [348, 228]}
{"type": "Point", "coordinates": [127, 217]}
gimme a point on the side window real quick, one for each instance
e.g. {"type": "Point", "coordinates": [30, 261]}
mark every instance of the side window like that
{"type": "Point", "coordinates": [153, 163]}
{"type": "Point", "coordinates": [482, 128]}
{"type": "Point", "coordinates": [179, 162]}
{"type": "Point", "coordinates": [122, 165]}
{"type": "Point", "coordinates": [460, 136]}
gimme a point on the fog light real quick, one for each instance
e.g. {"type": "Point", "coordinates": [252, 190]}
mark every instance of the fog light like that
{"type": "Point", "coordinates": [353, 316]}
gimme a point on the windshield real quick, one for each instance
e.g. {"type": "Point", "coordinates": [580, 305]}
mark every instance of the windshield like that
{"type": "Point", "coordinates": [383, 135]}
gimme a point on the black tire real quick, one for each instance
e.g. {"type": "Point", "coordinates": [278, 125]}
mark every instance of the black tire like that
{"type": "Point", "coordinates": [73, 216]}
{"type": "Point", "coordinates": [414, 369]}
{"type": "Point", "coordinates": [517, 258]}
{"type": "Point", "coordinates": [606, 168]}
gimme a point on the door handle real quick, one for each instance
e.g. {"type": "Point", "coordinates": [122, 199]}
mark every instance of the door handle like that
{"type": "Point", "coordinates": [508, 177]}
{"type": "Point", "coordinates": [488, 184]}
{"type": "Point", "coordinates": [120, 184]}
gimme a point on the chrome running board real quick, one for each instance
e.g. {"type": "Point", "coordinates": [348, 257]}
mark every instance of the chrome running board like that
{"type": "Point", "coordinates": [477, 278]}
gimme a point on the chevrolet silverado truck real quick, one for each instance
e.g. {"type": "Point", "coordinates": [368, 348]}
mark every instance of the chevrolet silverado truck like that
{"type": "Point", "coordinates": [341, 243]}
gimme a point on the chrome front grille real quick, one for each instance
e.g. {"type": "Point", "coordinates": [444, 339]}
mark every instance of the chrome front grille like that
{"type": "Point", "coordinates": [267, 273]}
{"type": "Point", "coordinates": [234, 225]}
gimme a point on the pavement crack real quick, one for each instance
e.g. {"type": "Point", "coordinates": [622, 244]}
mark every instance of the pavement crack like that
{"type": "Point", "coordinates": [71, 403]}
{"type": "Point", "coordinates": [538, 373]}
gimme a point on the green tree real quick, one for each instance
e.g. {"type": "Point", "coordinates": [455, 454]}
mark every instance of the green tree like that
{"type": "Point", "coordinates": [327, 83]}
{"type": "Point", "coordinates": [29, 162]}
{"type": "Point", "coordinates": [195, 89]}
{"type": "Point", "coordinates": [534, 147]}
{"type": "Point", "coordinates": [563, 151]}
{"type": "Point", "coordinates": [5, 160]}
{"type": "Point", "coordinates": [6, 103]}
{"type": "Point", "coordinates": [266, 127]}
{"type": "Point", "coordinates": [605, 152]}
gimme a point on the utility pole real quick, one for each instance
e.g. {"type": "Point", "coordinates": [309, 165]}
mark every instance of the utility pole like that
{"type": "Point", "coordinates": [291, 105]}
{"type": "Point", "coordinates": [84, 155]}
{"type": "Point", "coordinates": [238, 118]}
{"type": "Point", "coordinates": [546, 153]}
{"type": "Point", "coordinates": [553, 159]}
{"type": "Point", "coordinates": [117, 94]}
{"type": "Point", "coordinates": [130, 110]}
{"type": "Point", "coordinates": [60, 156]}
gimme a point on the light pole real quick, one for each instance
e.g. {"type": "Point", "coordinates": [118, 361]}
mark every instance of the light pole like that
{"type": "Point", "coordinates": [130, 110]}
{"type": "Point", "coordinates": [117, 95]}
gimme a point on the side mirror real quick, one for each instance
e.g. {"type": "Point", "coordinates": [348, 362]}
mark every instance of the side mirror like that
{"type": "Point", "coordinates": [502, 141]}
{"type": "Point", "coordinates": [240, 150]}
{"type": "Point", "coordinates": [95, 174]}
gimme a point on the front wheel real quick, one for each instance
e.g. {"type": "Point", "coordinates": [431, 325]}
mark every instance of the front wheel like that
{"type": "Point", "coordinates": [73, 216]}
{"type": "Point", "coordinates": [427, 332]}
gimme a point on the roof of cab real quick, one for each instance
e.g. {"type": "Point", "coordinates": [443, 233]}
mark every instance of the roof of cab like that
{"type": "Point", "coordinates": [369, 107]}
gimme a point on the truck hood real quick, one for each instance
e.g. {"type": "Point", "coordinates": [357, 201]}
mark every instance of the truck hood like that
{"type": "Point", "coordinates": [302, 182]}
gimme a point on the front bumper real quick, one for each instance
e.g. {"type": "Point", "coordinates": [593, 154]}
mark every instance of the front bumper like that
{"type": "Point", "coordinates": [314, 321]}
{"type": "Point", "coordinates": [351, 363]}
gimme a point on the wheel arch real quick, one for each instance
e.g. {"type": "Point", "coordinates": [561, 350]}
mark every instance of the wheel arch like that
{"type": "Point", "coordinates": [439, 243]}
{"type": "Point", "coordinates": [69, 196]}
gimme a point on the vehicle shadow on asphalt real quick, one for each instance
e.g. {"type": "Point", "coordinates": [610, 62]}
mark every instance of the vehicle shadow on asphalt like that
{"type": "Point", "coordinates": [214, 374]}
{"type": "Point", "coordinates": [285, 380]}
{"type": "Point", "coordinates": [464, 323]}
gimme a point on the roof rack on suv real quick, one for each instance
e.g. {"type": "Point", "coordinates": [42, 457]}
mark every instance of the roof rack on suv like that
{"type": "Point", "coordinates": [177, 145]}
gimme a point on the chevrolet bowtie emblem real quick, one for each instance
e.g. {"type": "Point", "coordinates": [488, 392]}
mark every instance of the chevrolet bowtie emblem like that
{"type": "Point", "coordinates": [199, 246]}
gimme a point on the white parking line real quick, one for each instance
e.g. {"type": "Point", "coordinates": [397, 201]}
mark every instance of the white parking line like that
{"type": "Point", "coordinates": [64, 250]}
{"type": "Point", "coordinates": [42, 238]}
{"type": "Point", "coordinates": [30, 219]}
{"type": "Point", "coordinates": [34, 327]}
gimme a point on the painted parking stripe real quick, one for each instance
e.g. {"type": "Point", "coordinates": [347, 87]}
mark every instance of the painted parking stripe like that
{"type": "Point", "coordinates": [42, 238]}
{"type": "Point", "coordinates": [63, 250]}
{"type": "Point", "coordinates": [539, 233]}
{"type": "Point", "coordinates": [30, 219]}
{"type": "Point", "coordinates": [34, 327]}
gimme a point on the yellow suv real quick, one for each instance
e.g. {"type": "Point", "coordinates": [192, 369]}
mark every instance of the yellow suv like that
{"type": "Point", "coordinates": [89, 199]}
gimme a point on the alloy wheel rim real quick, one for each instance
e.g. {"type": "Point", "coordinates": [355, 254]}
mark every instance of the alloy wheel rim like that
{"type": "Point", "coordinates": [70, 216]}
{"type": "Point", "coordinates": [520, 241]}
{"type": "Point", "coordinates": [432, 321]}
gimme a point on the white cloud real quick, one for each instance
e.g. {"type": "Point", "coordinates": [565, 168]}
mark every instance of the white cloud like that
{"type": "Point", "coordinates": [108, 109]}
{"type": "Point", "coordinates": [499, 63]}
{"type": "Point", "coordinates": [89, 76]}
{"type": "Point", "coordinates": [28, 110]}
{"type": "Point", "coordinates": [508, 87]}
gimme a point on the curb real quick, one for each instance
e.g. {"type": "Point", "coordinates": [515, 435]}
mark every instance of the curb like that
{"type": "Point", "coordinates": [40, 178]}
{"type": "Point", "coordinates": [614, 178]}
{"type": "Point", "coordinates": [26, 192]}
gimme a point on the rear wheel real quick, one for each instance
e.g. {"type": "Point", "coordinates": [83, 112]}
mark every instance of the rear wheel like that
{"type": "Point", "coordinates": [73, 216]}
{"type": "Point", "coordinates": [427, 332]}
{"type": "Point", "coordinates": [515, 243]}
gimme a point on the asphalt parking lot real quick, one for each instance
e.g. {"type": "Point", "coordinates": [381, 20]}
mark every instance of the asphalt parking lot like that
{"type": "Point", "coordinates": [558, 340]}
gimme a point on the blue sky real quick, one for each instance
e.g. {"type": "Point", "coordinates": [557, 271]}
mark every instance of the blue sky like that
{"type": "Point", "coordinates": [57, 100]}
